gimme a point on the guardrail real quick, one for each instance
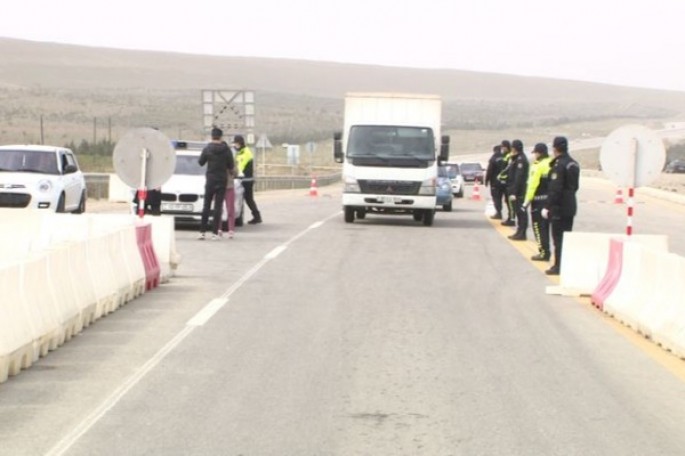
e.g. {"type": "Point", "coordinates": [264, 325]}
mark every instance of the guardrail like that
{"type": "Point", "coordinates": [98, 183]}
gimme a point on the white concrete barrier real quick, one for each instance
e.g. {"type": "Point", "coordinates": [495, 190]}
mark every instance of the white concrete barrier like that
{"type": "Point", "coordinates": [134, 262]}
{"type": "Point", "coordinates": [669, 331]}
{"type": "Point", "coordinates": [586, 256]}
{"type": "Point", "coordinates": [664, 301]}
{"type": "Point", "coordinates": [101, 276]}
{"type": "Point", "coordinates": [64, 296]}
{"type": "Point", "coordinates": [17, 334]}
{"type": "Point", "coordinates": [37, 297]}
{"type": "Point", "coordinates": [164, 243]}
{"type": "Point", "coordinates": [119, 192]}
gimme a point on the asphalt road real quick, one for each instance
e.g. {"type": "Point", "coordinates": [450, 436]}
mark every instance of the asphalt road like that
{"type": "Point", "coordinates": [309, 336]}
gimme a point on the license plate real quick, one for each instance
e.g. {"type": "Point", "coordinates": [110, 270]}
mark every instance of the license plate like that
{"type": "Point", "coordinates": [177, 207]}
{"type": "Point", "coordinates": [387, 199]}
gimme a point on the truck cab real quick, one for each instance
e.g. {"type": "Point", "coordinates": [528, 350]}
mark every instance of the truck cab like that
{"type": "Point", "coordinates": [390, 149]}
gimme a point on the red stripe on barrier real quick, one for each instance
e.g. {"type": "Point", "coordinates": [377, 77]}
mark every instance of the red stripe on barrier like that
{"type": "Point", "coordinates": [611, 276]}
{"type": "Point", "coordinates": [147, 253]}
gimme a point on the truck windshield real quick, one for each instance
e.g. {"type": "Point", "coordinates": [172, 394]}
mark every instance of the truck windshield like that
{"type": "Point", "coordinates": [391, 142]}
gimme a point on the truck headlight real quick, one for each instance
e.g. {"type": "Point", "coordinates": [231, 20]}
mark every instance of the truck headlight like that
{"type": "Point", "coordinates": [351, 185]}
{"type": "Point", "coordinates": [44, 186]}
{"type": "Point", "coordinates": [428, 187]}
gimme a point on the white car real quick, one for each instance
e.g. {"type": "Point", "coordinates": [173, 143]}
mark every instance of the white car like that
{"type": "Point", "coordinates": [183, 194]}
{"type": "Point", "coordinates": [456, 178]}
{"type": "Point", "coordinates": [41, 177]}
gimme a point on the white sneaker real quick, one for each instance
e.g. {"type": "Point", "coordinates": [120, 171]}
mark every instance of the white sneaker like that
{"type": "Point", "coordinates": [231, 234]}
{"type": "Point", "coordinates": [215, 237]}
{"type": "Point", "coordinates": [201, 237]}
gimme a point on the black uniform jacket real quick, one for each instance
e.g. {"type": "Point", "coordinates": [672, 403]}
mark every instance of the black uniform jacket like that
{"type": "Point", "coordinates": [563, 184]}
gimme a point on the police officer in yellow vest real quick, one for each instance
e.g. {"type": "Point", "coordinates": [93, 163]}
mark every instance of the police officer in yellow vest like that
{"type": "Point", "coordinates": [245, 160]}
{"type": "Point", "coordinates": [536, 197]}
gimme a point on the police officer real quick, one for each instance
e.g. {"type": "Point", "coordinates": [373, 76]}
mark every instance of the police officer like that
{"type": "Point", "coordinates": [536, 197]}
{"type": "Point", "coordinates": [561, 206]}
{"type": "Point", "coordinates": [496, 165]}
{"type": "Point", "coordinates": [245, 160]}
{"type": "Point", "coordinates": [517, 181]}
{"type": "Point", "coordinates": [502, 178]}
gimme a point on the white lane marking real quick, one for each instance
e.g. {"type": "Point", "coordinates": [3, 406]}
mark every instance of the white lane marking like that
{"type": "Point", "coordinates": [275, 252]}
{"type": "Point", "coordinates": [207, 312]}
{"type": "Point", "coordinates": [84, 426]}
{"type": "Point", "coordinates": [316, 225]}
{"type": "Point", "coordinates": [66, 443]}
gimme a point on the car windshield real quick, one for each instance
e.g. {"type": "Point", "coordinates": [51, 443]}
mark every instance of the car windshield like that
{"type": "Point", "coordinates": [29, 161]}
{"type": "Point", "coordinates": [391, 142]}
{"type": "Point", "coordinates": [450, 171]}
{"type": "Point", "coordinates": [188, 165]}
{"type": "Point", "coordinates": [466, 167]}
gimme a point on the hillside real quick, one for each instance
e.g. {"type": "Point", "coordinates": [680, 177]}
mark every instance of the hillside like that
{"type": "Point", "coordinates": [84, 93]}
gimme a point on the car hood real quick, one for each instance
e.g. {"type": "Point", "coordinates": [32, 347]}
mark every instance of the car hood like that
{"type": "Point", "coordinates": [19, 180]}
{"type": "Point", "coordinates": [182, 183]}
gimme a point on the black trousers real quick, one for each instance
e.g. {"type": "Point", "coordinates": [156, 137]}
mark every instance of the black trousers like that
{"type": "Point", "coordinates": [559, 227]}
{"type": "Point", "coordinates": [214, 192]}
{"type": "Point", "coordinates": [540, 229]}
{"type": "Point", "coordinates": [498, 194]}
{"type": "Point", "coordinates": [248, 195]}
{"type": "Point", "coordinates": [521, 214]}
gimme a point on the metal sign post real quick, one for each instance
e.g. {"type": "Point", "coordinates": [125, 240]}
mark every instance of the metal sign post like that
{"type": "Point", "coordinates": [632, 156]}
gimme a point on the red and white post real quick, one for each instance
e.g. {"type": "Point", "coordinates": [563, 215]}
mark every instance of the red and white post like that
{"type": "Point", "coordinates": [631, 205]}
{"type": "Point", "coordinates": [142, 189]}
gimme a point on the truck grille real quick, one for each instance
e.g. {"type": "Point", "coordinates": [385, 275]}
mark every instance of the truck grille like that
{"type": "Point", "coordinates": [389, 187]}
{"type": "Point", "coordinates": [14, 199]}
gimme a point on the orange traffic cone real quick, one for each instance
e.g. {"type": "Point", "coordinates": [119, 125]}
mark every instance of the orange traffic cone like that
{"type": "Point", "coordinates": [618, 199]}
{"type": "Point", "coordinates": [313, 191]}
{"type": "Point", "coordinates": [475, 194]}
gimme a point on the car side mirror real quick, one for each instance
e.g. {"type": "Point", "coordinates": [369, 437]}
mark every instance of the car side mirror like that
{"type": "Point", "coordinates": [444, 148]}
{"type": "Point", "coordinates": [337, 147]}
{"type": "Point", "coordinates": [70, 169]}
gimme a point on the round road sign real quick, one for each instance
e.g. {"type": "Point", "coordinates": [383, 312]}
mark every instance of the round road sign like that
{"type": "Point", "coordinates": [144, 144]}
{"type": "Point", "coordinates": [632, 156]}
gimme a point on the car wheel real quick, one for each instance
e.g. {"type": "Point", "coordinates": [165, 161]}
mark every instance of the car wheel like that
{"type": "Point", "coordinates": [349, 214]}
{"type": "Point", "coordinates": [239, 219]}
{"type": "Point", "coordinates": [428, 216]}
{"type": "Point", "coordinates": [60, 204]}
{"type": "Point", "coordinates": [361, 213]}
{"type": "Point", "coordinates": [447, 207]}
{"type": "Point", "coordinates": [81, 205]}
{"type": "Point", "coordinates": [461, 193]}
{"type": "Point", "coordinates": [418, 216]}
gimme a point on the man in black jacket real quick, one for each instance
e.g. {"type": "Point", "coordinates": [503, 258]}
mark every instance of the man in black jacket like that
{"type": "Point", "coordinates": [561, 204]}
{"type": "Point", "coordinates": [219, 160]}
{"type": "Point", "coordinates": [496, 165]}
{"type": "Point", "coordinates": [516, 188]}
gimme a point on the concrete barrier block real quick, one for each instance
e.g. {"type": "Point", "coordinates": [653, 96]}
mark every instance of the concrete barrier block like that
{"type": "Point", "coordinates": [63, 293]}
{"type": "Point", "coordinates": [164, 243]}
{"type": "Point", "coordinates": [39, 301]}
{"type": "Point", "coordinates": [134, 262]}
{"type": "Point", "coordinates": [101, 276]}
{"type": "Point", "coordinates": [586, 256]}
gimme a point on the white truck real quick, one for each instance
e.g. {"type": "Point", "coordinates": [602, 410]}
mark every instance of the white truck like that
{"type": "Point", "coordinates": [390, 149]}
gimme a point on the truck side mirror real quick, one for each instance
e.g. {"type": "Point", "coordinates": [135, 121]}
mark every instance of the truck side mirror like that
{"type": "Point", "coordinates": [444, 148]}
{"type": "Point", "coordinates": [337, 147]}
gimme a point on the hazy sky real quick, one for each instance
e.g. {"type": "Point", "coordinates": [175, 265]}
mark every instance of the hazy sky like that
{"type": "Point", "coordinates": [636, 42]}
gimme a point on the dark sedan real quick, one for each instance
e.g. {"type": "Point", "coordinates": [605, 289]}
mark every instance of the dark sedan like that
{"type": "Point", "coordinates": [472, 172]}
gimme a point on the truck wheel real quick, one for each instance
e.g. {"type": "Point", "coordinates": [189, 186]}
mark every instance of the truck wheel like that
{"type": "Point", "coordinates": [361, 213]}
{"type": "Point", "coordinates": [418, 216]}
{"type": "Point", "coordinates": [349, 214]}
{"type": "Point", "coordinates": [428, 217]}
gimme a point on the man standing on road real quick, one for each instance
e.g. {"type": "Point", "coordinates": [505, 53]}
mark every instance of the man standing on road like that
{"type": "Point", "coordinates": [502, 178]}
{"type": "Point", "coordinates": [219, 160]}
{"type": "Point", "coordinates": [517, 181]}
{"type": "Point", "coordinates": [536, 198]}
{"type": "Point", "coordinates": [246, 169]}
{"type": "Point", "coordinates": [561, 206]}
{"type": "Point", "coordinates": [496, 165]}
